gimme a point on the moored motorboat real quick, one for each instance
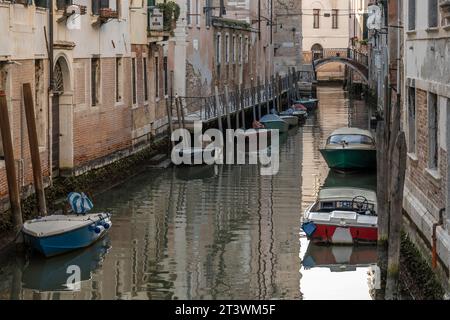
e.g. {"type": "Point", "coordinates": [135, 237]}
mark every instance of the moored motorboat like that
{"type": "Point", "coordinates": [300, 114]}
{"type": "Point", "coordinates": [274, 122]}
{"type": "Point", "coordinates": [342, 216]}
{"type": "Point", "coordinates": [350, 148]}
{"type": "Point", "coordinates": [310, 104]}
{"type": "Point", "coordinates": [58, 234]}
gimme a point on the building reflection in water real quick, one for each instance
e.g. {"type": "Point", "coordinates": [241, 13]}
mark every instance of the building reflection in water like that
{"type": "Point", "coordinates": [219, 232]}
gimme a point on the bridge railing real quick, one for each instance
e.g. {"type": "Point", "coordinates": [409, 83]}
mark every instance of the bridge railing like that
{"type": "Point", "coordinates": [347, 53]}
{"type": "Point", "coordinates": [357, 56]}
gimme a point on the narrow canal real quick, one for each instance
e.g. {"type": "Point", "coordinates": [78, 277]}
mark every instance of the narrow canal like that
{"type": "Point", "coordinates": [221, 232]}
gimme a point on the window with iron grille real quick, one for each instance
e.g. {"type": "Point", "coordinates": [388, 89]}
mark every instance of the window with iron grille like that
{"type": "Point", "coordinates": [433, 13]}
{"type": "Point", "coordinates": [42, 3]}
{"type": "Point", "coordinates": [316, 15]}
{"type": "Point", "coordinates": [334, 17]}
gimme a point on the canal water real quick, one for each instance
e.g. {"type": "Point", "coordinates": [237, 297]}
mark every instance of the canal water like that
{"type": "Point", "coordinates": [222, 232]}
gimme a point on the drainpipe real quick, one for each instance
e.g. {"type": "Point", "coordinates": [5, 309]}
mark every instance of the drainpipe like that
{"type": "Point", "coordinates": [435, 225]}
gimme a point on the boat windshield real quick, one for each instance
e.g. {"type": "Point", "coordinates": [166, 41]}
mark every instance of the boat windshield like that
{"type": "Point", "coordinates": [350, 139]}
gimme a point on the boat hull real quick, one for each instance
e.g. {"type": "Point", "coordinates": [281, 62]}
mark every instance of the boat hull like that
{"type": "Point", "coordinates": [282, 126]}
{"type": "Point", "coordinates": [291, 120]}
{"type": "Point", "coordinates": [65, 242]}
{"type": "Point", "coordinates": [309, 104]}
{"type": "Point", "coordinates": [332, 234]}
{"type": "Point", "coordinates": [345, 159]}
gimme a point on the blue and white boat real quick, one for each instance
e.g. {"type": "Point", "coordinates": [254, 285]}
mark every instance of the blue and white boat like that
{"type": "Point", "coordinates": [58, 234]}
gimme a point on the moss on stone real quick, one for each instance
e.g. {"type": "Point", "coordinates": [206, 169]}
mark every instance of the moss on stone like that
{"type": "Point", "coordinates": [417, 277]}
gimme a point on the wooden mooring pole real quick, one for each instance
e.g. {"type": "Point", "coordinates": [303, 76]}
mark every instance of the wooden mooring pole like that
{"type": "Point", "coordinates": [169, 119]}
{"type": "Point", "coordinates": [14, 196]}
{"type": "Point", "coordinates": [397, 182]}
{"type": "Point", "coordinates": [34, 148]}
{"type": "Point", "coordinates": [227, 106]}
{"type": "Point", "coordinates": [258, 96]}
{"type": "Point", "coordinates": [219, 111]}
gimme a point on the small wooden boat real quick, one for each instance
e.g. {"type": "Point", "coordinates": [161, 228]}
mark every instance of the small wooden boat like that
{"type": "Point", "coordinates": [342, 216]}
{"type": "Point", "coordinates": [310, 104]}
{"type": "Point", "coordinates": [290, 119]}
{"type": "Point", "coordinates": [350, 148]}
{"type": "Point", "coordinates": [58, 234]}
{"type": "Point", "coordinates": [274, 122]}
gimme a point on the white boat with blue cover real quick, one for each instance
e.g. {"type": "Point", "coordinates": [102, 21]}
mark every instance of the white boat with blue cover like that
{"type": "Point", "coordinates": [57, 234]}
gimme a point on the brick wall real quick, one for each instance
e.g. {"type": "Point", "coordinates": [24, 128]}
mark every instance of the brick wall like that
{"type": "Point", "coordinates": [417, 174]}
{"type": "Point", "coordinates": [17, 76]}
{"type": "Point", "coordinates": [106, 128]}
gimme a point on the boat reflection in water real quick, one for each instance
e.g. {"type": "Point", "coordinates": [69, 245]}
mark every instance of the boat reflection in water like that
{"type": "Point", "coordinates": [54, 274]}
{"type": "Point", "coordinates": [339, 258]}
{"type": "Point", "coordinates": [196, 172]}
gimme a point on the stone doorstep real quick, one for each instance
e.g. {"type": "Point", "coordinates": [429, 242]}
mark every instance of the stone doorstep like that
{"type": "Point", "coordinates": [424, 222]}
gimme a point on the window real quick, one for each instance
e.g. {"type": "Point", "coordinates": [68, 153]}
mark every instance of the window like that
{"type": "Point", "coordinates": [233, 49]}
{"type": "Point", "coordinates": [157, 77]}
{"type": "Point", "coordinates": [3, 81]}
{"type": "Point", "coordinates": [197, 12]}
{"type": "Point", "coordinates": [241, 45]}
{"type": "Point", "coordinates": [433, 151]}
{"type": "Point", "coordinates": [60, 4]}
{"type": "Point", "coordinates": [316, 15]}
{"type": "Point", "coordinates": [334, 17]}
{"type": "Point", "coordinates": [227, 48]}
{"type": "Point", "coordinates": [97, 5]}
{"type": "Point", "coordinates": [95, 81]}
{"type": "Point", "coordinates": [411, 14]}
{"type": "Point", "coordinates": [166, 76]}
{"type": "Point", "coordinates": [145, 79]}
{"type": "Point", "coordinates": [412, 119]}
{"type": "Point", "coordinates": [133, 80]}
{"type": "Point", "coordinates": [433, 13]}
{"type": "Point", "coordinates": [247, 50]}
{"type": "Point", "coordinates": [188, 12]}
{"type": "Point", "coordinates": [218, 52]}
{"type": "Point", "coordinates": [119, 79]}
{"type": "Point", "coordinates": [43, 3]}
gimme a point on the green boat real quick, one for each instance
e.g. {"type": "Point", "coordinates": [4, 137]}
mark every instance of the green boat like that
{"type": "Point", "coordinates": [274, 122]}
{"type": "Point", "coordinates": [350, 148]}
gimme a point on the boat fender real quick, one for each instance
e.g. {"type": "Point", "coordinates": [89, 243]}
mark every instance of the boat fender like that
{"type": "Point", "coordinates": [106, 225]}
{"type": "Point", "coordinates": [309, 228]}
{"type": "Point", "coordinates": [92, 227]}
{"type": "Point", "coordinates": [99, 229]}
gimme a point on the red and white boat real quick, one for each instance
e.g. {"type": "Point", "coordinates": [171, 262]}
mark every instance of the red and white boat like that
{"type": "Point", "coordinates": [342, 216]}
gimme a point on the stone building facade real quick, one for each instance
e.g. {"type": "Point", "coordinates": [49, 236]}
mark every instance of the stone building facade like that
{"type": "Point", "coordinates": [24, 59]}
{"type": "Point", "coordinates": [288, 41]}
{"type": "Point", "coordinates": [106, 100]}
{"type": "Point", "coordinates": [426, 120]}
{"type": "Point", "coordinates": [221, 47]}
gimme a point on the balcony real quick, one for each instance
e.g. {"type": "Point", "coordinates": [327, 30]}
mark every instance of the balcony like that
{"type": "Point", "coordinates": [68, 9]}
